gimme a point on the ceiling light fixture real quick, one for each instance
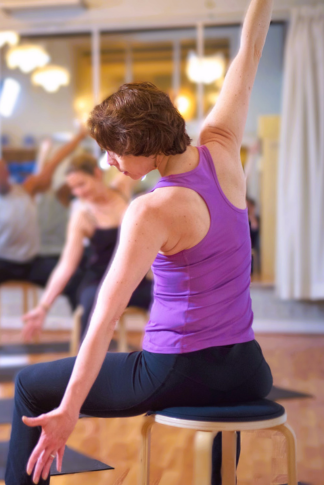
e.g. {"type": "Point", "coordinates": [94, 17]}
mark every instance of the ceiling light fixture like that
{"type": "Point", "coordinates": [27, 57]}
{"type": "Point", "coordinates": [205, 70]}
{"type": "Point", "coordinates": [51, 78]}
{"type": "Point", "coordinates": [8, 37]}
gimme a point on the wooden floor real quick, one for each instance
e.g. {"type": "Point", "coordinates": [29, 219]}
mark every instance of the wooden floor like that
{"type": "Point", "coordinates": [297, 362]}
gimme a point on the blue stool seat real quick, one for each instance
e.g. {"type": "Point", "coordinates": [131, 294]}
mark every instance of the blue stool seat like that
{"type": "Point", "coordinates": [260, 410]}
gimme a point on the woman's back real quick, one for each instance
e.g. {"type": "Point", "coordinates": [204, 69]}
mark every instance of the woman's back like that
{"type": "Point", "coordinates": [201, 294]}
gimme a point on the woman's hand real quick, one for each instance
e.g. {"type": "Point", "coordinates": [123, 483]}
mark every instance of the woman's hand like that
{"type": "Point", "coordinates": [56, 428]}
{"type": "Point", "coordinates": [34, 321]}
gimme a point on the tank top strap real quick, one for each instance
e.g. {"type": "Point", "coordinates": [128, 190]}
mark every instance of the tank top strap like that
{"type": "Point", "coordinates": [191, 177]}
{"type": "Point", "coordinates": [202, 179]}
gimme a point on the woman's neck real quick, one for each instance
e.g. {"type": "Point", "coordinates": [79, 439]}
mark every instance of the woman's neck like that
{"type": "Point", "coordinates": [176, 164]}
{"type": "Point", "coordinates": [103, 195]}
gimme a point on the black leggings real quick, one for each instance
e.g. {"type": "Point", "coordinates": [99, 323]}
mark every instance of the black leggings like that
{"type": "Point", "coordinates": [38, 271]}
{"type": "Point", "coordinates": [131, 384]}
{"type": "Point", "coordinates": [41, 270]}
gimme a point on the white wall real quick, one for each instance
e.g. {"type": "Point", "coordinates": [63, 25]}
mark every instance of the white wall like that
{"type": "Point", "coordinates": [37, 112]}
{"type": "Point", "coordinates": [266, 93]}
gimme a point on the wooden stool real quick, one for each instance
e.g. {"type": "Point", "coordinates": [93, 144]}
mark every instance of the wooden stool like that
{"type": "Point", "coordinates": [129, 312]}
{"type": "Point", "coordinates": [76, 331]}
{"type": "Point", "coordinates": [25, 288]}
{"type": "Point", "coordinates": [257, 415]}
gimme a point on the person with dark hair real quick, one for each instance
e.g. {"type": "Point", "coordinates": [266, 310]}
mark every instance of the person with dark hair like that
{"type": "Point", "coordinates": [98, 220]}
{"type": "Point", "coordinates": [254, 223]}
{"type": "Point", "coordinates": [19, 232]}
{"type": "Point", "coordinates": [139, 120]}
{"type": "Point", "coordinates": [199, 347]}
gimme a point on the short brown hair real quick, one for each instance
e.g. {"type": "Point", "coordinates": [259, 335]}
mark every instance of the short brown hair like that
{"type": "Point", "coordinates": [139, 119]}
{"type": "Point", "coordinates": [84, 162]}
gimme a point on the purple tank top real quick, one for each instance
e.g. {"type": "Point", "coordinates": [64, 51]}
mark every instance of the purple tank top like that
{"type": "Point", "coordinates": [202, 294]}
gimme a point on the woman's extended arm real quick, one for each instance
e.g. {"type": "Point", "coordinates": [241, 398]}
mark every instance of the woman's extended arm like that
{"type": "Point", "coordinates": [143, 233]}
{"type": "Point", "coordinates": [225, 123]}
{"type": "Point", "coordinates": [68, 263]}
{"type": "Point", "coordinates": [42, 181]}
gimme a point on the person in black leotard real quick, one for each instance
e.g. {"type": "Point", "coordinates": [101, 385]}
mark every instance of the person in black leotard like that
{"type": "Point", "coordinates": [97, 219]}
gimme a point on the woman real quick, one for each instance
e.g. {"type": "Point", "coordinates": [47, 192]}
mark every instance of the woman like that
{"type": "Point", "coordinates": [98, 219]}
{"type": "Point", "coordinates": [199, 348]}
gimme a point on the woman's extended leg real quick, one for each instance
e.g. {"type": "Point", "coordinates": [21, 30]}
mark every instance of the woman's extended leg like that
{"type": "Point", "coordinates": [121, 389]}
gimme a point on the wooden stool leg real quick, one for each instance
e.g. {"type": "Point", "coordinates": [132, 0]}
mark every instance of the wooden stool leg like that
{"type": "Point", "coordinates": [122, 342]}
{"type": "Point", "coordinates": [290, 436]}
{"type": "Point", "coordinates": [229, 457]}
{"type": "Point", "coordinates": [203, 458]}
{"type": "Point", "coordinates": [76, 332]}
{"type": "Point", "coordinates": [144, 478]}
{"type": "Point", "coordinates": [35, 296]}
{"type": "Point", "coordinates": [25, 298]}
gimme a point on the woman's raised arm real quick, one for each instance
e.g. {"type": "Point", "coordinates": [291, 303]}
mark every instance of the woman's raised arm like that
{"type": "Point", "coordinates": [225, 123]}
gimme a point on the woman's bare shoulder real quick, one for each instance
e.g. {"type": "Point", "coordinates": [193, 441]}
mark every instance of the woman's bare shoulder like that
{"type": "Point", "coordinates": [80, 220]}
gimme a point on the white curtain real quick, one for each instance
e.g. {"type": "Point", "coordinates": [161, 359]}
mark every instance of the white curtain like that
{"type": "Point", "coordinates": [300, 229]}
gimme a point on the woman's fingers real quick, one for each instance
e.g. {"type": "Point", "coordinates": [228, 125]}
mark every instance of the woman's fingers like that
{"type": "Point", "coordinates": [25, 317]}
{"type": "Point", "coordinates": [48, 465]}
{"type": "Point", "coordinates": [53, 437]}
{"type": "Point", "coordinates": [28, 331]}
{"type": "Point", "coordinates": [59, 458]}
{"type": "Point", "coordinates": [41, 462]}
{"type": "Point", "coordinates": [37, 452]}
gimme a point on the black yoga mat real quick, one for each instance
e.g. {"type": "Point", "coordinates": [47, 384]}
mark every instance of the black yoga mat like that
{"type": "Point", "coordinates": [8, 374]}
{"type": "Point", "coordinates": [45, 348]}
{"type": "Point", "coordinates": [42, 348]}
{"type": "Point", "coordinates": [6, 411]}
{"type": "Point", "coordinates": [278, 393]}
{"type": "Point", "coordinates": [73, 462]}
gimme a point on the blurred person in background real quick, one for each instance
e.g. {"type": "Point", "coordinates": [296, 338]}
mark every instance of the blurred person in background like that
{"type": "Point", "coordinates": [19, 231]}
{"type": "Point", "coordinates": [254, 222]}
{"type": "Point", "coordinates": [53, 209]}
{"type": "Point", "coordinates": [97, 219]}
